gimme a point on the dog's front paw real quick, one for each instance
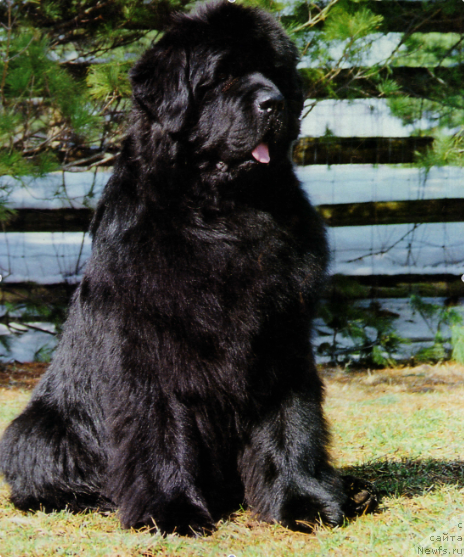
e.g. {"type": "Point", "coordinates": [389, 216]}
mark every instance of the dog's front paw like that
{"type": "Point", "coordinates": [185, 518]}
{"type": "Point", "coordinates": [179, 515]}
{"type": "Point", "coordinates": [330, 501]}
{"type": "Point", "coordinates": [304, 511]}
{"type": "Point", "coordinates": [362, 496]}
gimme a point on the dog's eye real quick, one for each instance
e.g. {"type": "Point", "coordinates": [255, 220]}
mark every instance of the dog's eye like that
{"type": "Point", "coordinates": [223, 76]}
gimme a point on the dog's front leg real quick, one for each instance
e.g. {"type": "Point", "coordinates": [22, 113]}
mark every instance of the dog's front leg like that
{"type": "Point", "coordinates": [285, 467]}
{"type": "Point", "coordinates": [153, 475]}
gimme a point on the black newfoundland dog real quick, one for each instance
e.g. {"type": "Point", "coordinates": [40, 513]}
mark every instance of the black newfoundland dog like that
{"type": "Point", "coordinates": [184, 383]}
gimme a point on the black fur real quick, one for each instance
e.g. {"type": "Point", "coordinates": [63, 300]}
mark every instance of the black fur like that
{"type": "Point", "coordinates": [184, 382]}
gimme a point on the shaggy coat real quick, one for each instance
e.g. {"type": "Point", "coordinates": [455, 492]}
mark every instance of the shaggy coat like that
{"type": "Point", "coordinates": [184, 383]}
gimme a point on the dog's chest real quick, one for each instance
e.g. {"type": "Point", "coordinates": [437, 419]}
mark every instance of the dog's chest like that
{"type": "Point", "coordinates": [247, 254]}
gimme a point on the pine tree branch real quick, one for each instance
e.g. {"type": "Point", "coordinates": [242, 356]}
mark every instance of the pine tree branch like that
{"type": "Point", "coordinates": [81, 18]}
{"type": "Point", "coordinates": [320, 17]}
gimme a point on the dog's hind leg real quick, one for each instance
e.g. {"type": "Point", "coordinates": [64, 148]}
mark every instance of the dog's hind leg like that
{"type": "Point", "coordinates": [52, 462]}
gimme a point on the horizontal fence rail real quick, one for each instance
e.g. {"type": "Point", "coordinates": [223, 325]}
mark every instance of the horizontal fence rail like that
{"type": "Point", "coordinates": [359, 150]}
{"type": "Point", "coordinates": [393, 212]}
{"type": "Point", "coordinates": [48, 220]}
{"type": "Point", "coordinates": [335, 215]}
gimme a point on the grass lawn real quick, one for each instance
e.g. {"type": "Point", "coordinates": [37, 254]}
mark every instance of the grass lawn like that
{"type": "Point", "coordinates": [401, 428]}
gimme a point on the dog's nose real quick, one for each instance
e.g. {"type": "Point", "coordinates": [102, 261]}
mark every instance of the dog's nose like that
{"type": "Point", "coordinates": [271, 102]}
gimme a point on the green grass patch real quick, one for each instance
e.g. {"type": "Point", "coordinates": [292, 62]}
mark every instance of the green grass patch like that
{"type": "Point", "coordinates": [400, 428]}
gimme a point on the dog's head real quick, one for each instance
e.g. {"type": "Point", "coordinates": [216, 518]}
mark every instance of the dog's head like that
{"type": "Point", "coordinates": [222, 82]}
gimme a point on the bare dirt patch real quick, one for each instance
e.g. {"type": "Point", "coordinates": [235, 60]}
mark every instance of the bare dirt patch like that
{"type": "Point", "coordinates": [423, 378]}
{"type": "Point", "coordinates": [21, 376]}
{"type": "Point", "coordinates": [418, 379]}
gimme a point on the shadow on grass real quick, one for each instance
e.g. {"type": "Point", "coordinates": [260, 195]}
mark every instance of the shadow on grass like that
{"type": "Point", "coordinates": [409, 478]}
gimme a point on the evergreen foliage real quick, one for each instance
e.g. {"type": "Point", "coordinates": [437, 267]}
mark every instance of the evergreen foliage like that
{"type": "Point", "coordinates": [438, 317]}
{"type": "Point", "coordinates": [364, 334]}
{"type": "Point", "coordinates": [367, 332]}
{"type": "Point", "coordinates": [457, 340]}
{"type": "Point", "coordinates": [64, 84]}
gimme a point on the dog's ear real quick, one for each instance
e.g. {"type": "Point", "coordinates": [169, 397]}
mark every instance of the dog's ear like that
{"type": "Point", "coordinates": [160, 85]}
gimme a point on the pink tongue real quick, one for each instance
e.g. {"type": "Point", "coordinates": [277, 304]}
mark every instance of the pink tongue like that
{"type": "Point", "coordinates": [261, 153]}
